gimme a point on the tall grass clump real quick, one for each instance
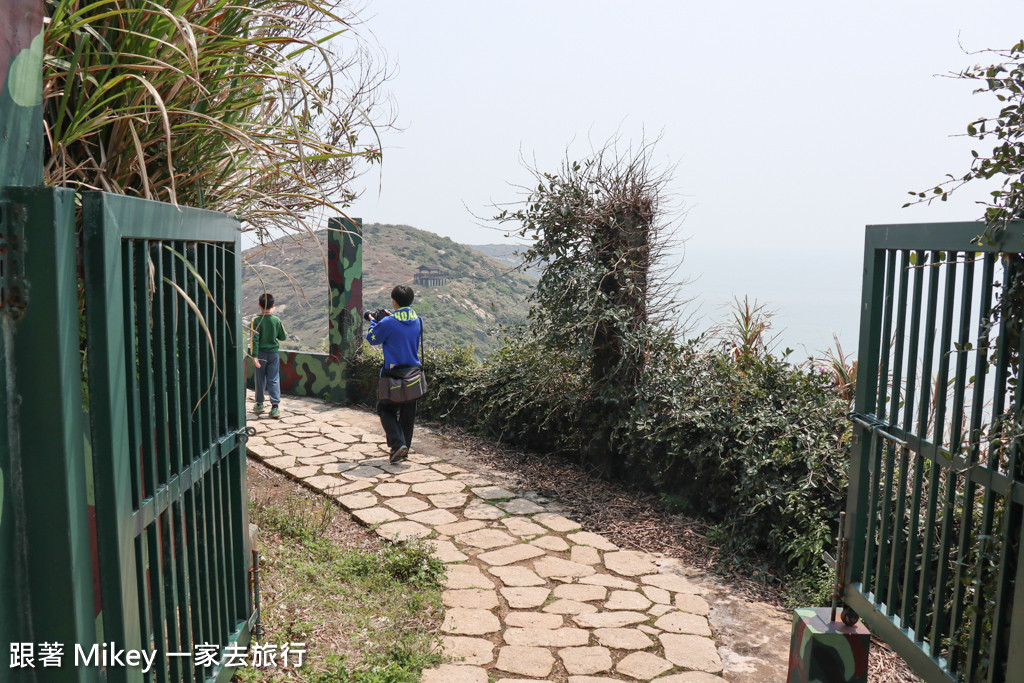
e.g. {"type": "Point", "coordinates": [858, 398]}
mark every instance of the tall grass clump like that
{"type": "Point", "coordinates": [260, 108]}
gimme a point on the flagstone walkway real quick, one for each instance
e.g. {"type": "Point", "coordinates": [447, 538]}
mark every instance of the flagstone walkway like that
{"type": "Point", "coordinates": [529, 595]}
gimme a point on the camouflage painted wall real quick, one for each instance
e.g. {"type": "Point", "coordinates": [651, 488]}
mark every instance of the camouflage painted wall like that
{"type": "Point", "coordinates": [21, 163]}
{"type": "Point", "coordinates": [326, 375]}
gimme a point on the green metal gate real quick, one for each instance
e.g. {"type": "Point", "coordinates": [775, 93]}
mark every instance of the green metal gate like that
{"type": "Point", "coordinates": [123, 506]}
{"type": "Point", "coordinates": [165, 401]}
{"type": "Point", "coordinates": [936, 484]}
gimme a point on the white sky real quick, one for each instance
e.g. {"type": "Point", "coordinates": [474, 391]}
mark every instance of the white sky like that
{"type": "Point", "coordinates": [792, 124]}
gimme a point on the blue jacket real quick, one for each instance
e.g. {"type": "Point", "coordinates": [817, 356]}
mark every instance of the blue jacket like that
{"type": "Point", "coordinates": [399, 333]}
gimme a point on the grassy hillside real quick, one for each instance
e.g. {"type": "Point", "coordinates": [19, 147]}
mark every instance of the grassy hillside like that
{"type": "Point", "coordinates": [482, 293]}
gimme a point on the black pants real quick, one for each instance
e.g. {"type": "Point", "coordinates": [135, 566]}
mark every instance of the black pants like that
{"type": "Point", "coordinates": [398, 420]}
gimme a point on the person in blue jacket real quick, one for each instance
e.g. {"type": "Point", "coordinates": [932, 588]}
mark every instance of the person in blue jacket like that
{"type": "Point", "coordinates": [398, 335]}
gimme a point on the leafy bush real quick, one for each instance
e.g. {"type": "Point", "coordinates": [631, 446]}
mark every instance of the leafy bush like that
{"type": "Point", "coordinates": [754, 443]}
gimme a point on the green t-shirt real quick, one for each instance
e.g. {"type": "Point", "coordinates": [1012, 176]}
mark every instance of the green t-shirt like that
{"type": "Point", "coordinates": [267, 331]}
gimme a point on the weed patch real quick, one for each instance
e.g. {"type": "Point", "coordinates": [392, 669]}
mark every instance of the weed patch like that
{"type": "Point", "coordinates": [367, 611]}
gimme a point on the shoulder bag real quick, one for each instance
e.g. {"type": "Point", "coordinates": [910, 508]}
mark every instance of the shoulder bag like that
{"type": "Point", "coordinates": [404, 382]}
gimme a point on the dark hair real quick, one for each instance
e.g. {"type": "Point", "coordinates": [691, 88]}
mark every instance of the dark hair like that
{"type": "Point", "coordinates": [403, 296]}
{"type": "Point", "coordinates": [266, 301]}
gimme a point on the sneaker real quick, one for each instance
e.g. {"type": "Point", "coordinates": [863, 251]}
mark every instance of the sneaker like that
{"type": "Point", "coordinates": [275, 411]}
{"type": "Point", "coordinates": [399, 454]}
{"type": "Point", "coordinates": [258, 408]}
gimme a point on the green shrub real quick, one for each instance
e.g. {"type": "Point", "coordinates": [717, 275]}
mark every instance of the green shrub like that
{"type": "Point", "coordinates": [754, 443]}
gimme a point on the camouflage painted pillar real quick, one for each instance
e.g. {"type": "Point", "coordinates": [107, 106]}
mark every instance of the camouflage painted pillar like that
{"type": "Point", "coordinates": [345, 279]}
{"type": "Point", "coordinates": [823, 651]}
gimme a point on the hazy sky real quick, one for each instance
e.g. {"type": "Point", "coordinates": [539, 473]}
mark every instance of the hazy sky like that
{"type": "Point", "coordinates": [791, 124]}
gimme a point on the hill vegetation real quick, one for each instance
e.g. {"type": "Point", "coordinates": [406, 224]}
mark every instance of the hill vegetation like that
{"type": "Point", "coordinates": [481, 295]}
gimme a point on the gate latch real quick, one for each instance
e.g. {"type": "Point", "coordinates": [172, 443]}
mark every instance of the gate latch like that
{"type": "Point", "coordinates": [13, 285]}
{"type": "Point", "coordinates": [245, 432]}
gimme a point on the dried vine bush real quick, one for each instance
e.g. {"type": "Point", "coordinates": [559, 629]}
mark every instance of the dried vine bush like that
{"type": "Point", "coordinates": [601, 230]}
{"type": "Point", "coordinates": [260, 108]}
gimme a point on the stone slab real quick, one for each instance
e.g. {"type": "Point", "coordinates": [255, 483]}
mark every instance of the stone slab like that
{"type": "Point", "coordinates": [580, 592]}
{"type": "Point", "coordinates": [377, 515]}
{"type": "Point", "coordinates": [483, 511]}
{"type": "Point", "coordinates": [460, 527]}
{"type": "Point", "coordinates": [406, 504]}
{"type": "Point", "coordinates": [517, 576]}
{"type": "Point", "coordinates": [671, 582]}
{"type": "Point", "coordinates": [465, 576]}
{"type": "Point", "coordinates": [510, 555]}
{"type": "Point", "coordinates": [466, 650]}
{"type": "Point", "coordinates": [554, 543]}
{"type": "Point", "coordinates": [586, 660]}
{"type": "Point", "coordinates": [569, 607]}
{"type": "Point", "coordinates": [402, 530]}
{"type": "Point", "coordinates": [694, 604]}
{"type": "Point", "coordinates": [630, 600]}
{"type": "Point", "coordinates": [692, 652]}
{"type": "Point", "coordinates": [657, 595]}
{"type": "Point", "coordinates": [448, 500]}
{"type": "Point", "coordinates": [446, 551]}
{"type": "Point", "coordinates": [609, 619]}
{"type": "Point", "coordinates": [358, 501]}
{"type": "Point", "coordinates": [547, 637]}
{"type": "Point", "coordinates": [555, 566]}
{"type": "Point", "coordinates": [536, 662]}
{"type": "Point", "coordinates": [520, 506]}
{"type": "Point", "coordinates": [492, 492]}
{"type": "Point", "coordinates": [434, 517]}
{"type": "Point", "coordinates": [524, 597]}
{"type": "Point", "coordinates": [592, 539]}
{"type": "Point", "coordinates": [440, 486]}
{"type": "Point", "coordinates": [642, 665]}
{"type": "Point", "coordinates": [470, 622]}
{"type": "Point", "coordinates": [584, 554]}
{"type": "Point", "coordinates": [392, 489]}
{"type": "Point", "coordinates": [363, 472]}
{"type": "Point", "coordinates": [521, 526]}
{"type": "Point", "coordinates": [609, 581]}
{"type": "Point", "coordinates": [454, 673]}
{"type": "Point", "coordinates": [470, 598]}
{"type": "Point", "coordinates": [683, 622]}
{"type": "Point", "coordinates": [623, 638]}
{"type": "Point", "coordinates": [629, 563]}
{"type": "Point", "coordinates": [532, 619]}
{"type": "Point", "coordinates": [556, 522]}
{"type": "Point", "coordinates": [486, 539]}
{"type": "Point", "coordinates": [419, 476]}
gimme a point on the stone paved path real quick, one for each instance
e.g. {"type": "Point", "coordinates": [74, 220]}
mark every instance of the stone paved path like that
{"type": "Point", "coordinates": [529, 595]}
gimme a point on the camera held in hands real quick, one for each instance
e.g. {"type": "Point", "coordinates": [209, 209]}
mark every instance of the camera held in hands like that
{"type": "Point", "coordinates": [377, 315]}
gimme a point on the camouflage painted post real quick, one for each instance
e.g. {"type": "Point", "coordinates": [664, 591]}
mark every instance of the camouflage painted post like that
{"type": "Point", "coordinates": [345, 279]}
{"type": "Point", "coordinates": [326, 375]}
{"type": "Point", "coordinates": [823, 651]}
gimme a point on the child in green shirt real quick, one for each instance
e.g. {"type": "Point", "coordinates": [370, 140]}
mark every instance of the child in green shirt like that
{"type": "Point", "coordinates": [267, 333]}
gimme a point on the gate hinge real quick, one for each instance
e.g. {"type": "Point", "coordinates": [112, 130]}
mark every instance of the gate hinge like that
{"type": "Point", "coordinates": [13, 285]}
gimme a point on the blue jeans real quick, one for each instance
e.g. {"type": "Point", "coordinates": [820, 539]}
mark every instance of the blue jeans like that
{"type": "Point", "coordinates": [270, 374]}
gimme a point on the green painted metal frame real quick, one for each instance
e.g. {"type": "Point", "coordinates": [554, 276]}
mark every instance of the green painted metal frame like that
{"type": "Point", "coordinates": [167, 415]}
{"type": "Point", "coordinates": [59, 578]}
{"type": "Point", "coordinates": [21, 163]}
{"type": "Point", "coordinates": [916, 507]}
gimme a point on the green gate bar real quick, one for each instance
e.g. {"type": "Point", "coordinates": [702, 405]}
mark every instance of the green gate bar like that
{"type": "Point", "coordinates": [165, 351]}
{"type": "Point", "coordinates": [936, 498]}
